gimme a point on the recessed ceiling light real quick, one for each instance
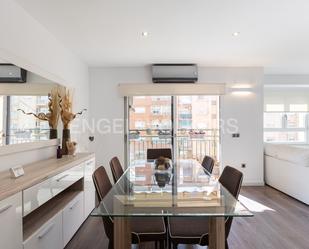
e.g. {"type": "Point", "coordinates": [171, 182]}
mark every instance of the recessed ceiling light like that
{"type": "Point", "coordinates": [236, 34]}
{"type": "Point", "coordinates": [145, 33]}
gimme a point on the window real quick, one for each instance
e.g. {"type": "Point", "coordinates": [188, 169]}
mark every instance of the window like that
{"type": "Point", "coordinates": [139, 109]}
{"type": "Point", "coordinates": [161, 110]}
{"type": "Point", "coordinates": [298, 108]}
{"type": "Point", "coordinates": [295, 120]}
{"type": "Point", "coordinates": [273, 120]}
{"type": "Point", "coordinates": [275, 108]}
{"type": "Point", "coordinates": [193, 120]}
{"type": "Point", "coordinates": [285, 137]}
{"type": "Point", "coordinates": [286, 126]}
{"type": "Point", "coordinates": [139, 124]}
{"type": "Point", "coordinates": [156, 110]}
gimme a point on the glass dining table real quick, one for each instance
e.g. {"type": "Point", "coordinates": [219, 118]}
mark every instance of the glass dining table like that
{"type": "Point", "coordinates": [184, 190]}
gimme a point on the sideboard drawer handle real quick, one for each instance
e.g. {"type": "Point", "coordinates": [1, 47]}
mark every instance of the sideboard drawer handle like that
{"type": "Point", "coordinates": [74, 205]}
{"type": "Point", "coordinates": [46, 231]}
{"type": "Point", "coordinates": [89, 163]}
{"type": "Point", "coordinates": [5, 208]}
{"type": "Point", "coordinates": [60, 178]}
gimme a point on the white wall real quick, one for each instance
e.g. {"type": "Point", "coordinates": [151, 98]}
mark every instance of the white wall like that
{"type": "Point", "coordinates": [286, 79]}
{"type": "Point", "coordinates": [26, 43]}
{"type": "Point", "coordinates": [106, 103]}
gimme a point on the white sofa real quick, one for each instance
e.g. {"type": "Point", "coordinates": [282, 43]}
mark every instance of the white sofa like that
{"type": "Point", "coordinates": [287, 169]}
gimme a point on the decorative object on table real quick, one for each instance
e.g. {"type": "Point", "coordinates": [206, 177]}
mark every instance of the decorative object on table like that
{"type": "Point", "coordinates": [59, 152]}
{"type": "Point", "coordinates": [162, 178]}
{"type": "Point", "coordinates": [52, 116]}
{"type": "Point", "coordinates": [71, 146]}
{"type": "Point", "coordinates": [67, 116]}
{"type": "Point", "coordinates": [162, 163]}
{"type": "Point", "coordinates": [17, 171]}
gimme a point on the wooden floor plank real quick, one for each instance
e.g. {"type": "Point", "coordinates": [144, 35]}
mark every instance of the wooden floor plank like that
{"type": "Point", "coordinates": [279, 222]}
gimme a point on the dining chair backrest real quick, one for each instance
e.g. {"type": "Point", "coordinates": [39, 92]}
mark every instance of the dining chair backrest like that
{"type": "Point", "coordinates": [231, 179]}
{"type": "Point", "coordinates": [159, 152]}
{"type": "Point", "coordinates": [103, 186]}
{"type": "Point", "coordinates": [208, 163]}
{"type": "Point", "coordinates": [116, 168]}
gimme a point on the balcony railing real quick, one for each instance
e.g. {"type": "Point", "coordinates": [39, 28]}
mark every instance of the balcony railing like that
{"type": "Point", "coordinates": [17, 136]}
{"type": "Point", "coordinates": [189, 144]}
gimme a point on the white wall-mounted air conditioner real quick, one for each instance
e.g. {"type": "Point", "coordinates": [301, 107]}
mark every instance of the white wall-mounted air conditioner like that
{"type": "Point", "coordinates": [10, 73]}
{"type": "Point", "coordinates": [174, 73]}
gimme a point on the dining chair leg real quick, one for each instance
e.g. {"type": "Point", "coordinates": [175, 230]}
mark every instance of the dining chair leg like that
{"type": "Point", "coordinates": [156, 244]}
{"type": "Point", "coordinates": [110, 245]}
{"type": "Point", "coordinates": [226, 245]}
{"type": "Point", "coordinates": [162, 244]}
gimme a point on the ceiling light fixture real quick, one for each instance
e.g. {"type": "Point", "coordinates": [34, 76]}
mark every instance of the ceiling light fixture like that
{"type": "Point", "coordinates": [145, 33]}
{"type": "Point", "coordinates": [236, 34]}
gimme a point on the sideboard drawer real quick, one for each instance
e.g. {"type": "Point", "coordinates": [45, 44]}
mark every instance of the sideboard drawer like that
{"type": "Point", "coordinates": [65, 179]}
{"type": "Point", "coordinates": [39, 194]}
{"type": "Point", "coordinates": [48, 236]}
{"type": "Point", "coordinates": [36, 196]}
{"type": "Point", "coordinates": [11, 222]}
{"type": "Point", "coordinates": [73, 217]}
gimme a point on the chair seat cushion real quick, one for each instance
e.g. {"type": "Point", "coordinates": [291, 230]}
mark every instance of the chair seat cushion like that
{"type": "Point", "coordinates": [188, 230]}
{"type": "Point", "coordinates": [148, 228]}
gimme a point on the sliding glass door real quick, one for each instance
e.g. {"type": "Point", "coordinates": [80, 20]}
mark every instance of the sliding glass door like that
{"type": "Point", "coordinates": [189, 125]}
{"type": "Point", "coordinates": [197, 127]}
{"type": "Point", "coordinates": [150, 125]}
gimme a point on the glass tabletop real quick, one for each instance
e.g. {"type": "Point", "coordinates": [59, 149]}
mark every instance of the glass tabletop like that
{"type": "Point", "coordinates": [186, 189]}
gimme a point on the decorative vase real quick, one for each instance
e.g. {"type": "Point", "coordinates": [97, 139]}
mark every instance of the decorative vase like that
{"type": "Point", "coordinates": [66, 137]}
{"type": "Point", "coordinates": [71, 146]}
{"type": "Point", "coordinates": [53, 134]}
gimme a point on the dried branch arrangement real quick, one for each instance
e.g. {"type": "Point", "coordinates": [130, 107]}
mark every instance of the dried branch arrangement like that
{"type": "Point", "coordinates": [66, 112]}
{"type": "Point", "coordinates": [52, 116]}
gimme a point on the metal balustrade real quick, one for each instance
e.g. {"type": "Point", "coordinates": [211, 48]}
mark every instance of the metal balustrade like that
{"type": "Point", "coordinates": [188, 146]}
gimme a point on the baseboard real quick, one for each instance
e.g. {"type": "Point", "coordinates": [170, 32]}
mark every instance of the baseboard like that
{"type": "Point", "coordinates": [258, 184]}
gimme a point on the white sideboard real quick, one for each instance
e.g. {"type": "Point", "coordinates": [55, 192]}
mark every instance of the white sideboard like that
{"type": "Point", "coordinates": [11, 222]}
{"type": "Point", "coordinates": [44, 208]}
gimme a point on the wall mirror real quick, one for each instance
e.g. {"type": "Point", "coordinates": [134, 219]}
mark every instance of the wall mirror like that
{"type": "Point", "coordinates": [30, 95]}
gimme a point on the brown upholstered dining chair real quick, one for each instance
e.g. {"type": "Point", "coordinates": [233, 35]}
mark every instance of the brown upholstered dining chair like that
{"type": "Point", "coordinates": [144, 229]}
{"type": "Point", "coordinates": [208, 164]}
{"type": "Point", "coordinates": [156, 153]}
{"type": "Point", "coordinates": [195, 230]}
{"type": "Point", "coordinates": [116, 168]}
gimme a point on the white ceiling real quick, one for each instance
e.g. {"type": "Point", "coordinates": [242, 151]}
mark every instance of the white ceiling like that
{"type": "Point", "coordinates": [273, 33]}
